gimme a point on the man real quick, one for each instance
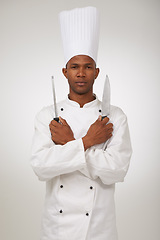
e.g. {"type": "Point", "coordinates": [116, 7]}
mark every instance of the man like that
{"type": "Point", "coordinates": [82, 156]}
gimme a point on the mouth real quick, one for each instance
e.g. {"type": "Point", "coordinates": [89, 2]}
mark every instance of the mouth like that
{"type": "Point", "coordinates": [81, 84]}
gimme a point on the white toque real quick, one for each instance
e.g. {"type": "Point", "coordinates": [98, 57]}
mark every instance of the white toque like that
{"type": "Point", "coordinates": [80, 32]}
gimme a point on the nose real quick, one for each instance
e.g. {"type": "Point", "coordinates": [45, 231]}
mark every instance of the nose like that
{"type": "Point", "coordinates": [81, 72]}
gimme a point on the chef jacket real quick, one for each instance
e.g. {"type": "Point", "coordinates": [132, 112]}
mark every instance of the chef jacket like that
{"type": "Point", "coordinates": [79, 202]}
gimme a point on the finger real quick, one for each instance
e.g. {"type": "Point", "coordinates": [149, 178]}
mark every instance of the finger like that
{"type": "Point", "coordinates": [53, 131]}
{"type": "Point", "coordinates": [109, 131]}
{"type": "Point", "coordinates": [53, 135]}
{"type": "Point", "coordinates": [105, 120]}
{"type": "Point", "coordinates": [110, 135]}
{"type": "Point", "coordinates": [53, 127]}
{"type": "Point", "coordinates": [63, 121]}
{"type": "Point", "coordinates": [99, 118]}
{"type": "Point", "coordinates": [54, 123]}
{"type": "Point", "coordinates": [109, 128]}
{"type": "Point", "coordinates": [109, 125]}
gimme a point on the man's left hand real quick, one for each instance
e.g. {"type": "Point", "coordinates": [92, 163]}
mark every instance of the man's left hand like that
{"type": "Point", "coordinates": [61, 132]}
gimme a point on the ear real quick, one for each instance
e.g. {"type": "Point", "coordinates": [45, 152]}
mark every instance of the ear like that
{"type": "Point", "coordinates": [64, 71]}
{"type": "Point", "coordinates": [97, 72]}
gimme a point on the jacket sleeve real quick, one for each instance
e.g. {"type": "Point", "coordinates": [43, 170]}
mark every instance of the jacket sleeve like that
{"type": "Point", "coordinates": [111, 164]}
{"type": "Point", "coordinates": [49, 160]}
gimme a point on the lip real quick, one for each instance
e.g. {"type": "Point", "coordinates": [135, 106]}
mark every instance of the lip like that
{"type": "Point", "coordinates": [80, 83]}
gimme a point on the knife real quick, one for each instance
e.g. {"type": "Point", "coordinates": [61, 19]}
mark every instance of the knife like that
{"type": "Point", "coordinates": [56, 118]}
{"type": "Point", "coordinates": [106, 105]}
{"type": "Point", "coordinates": [106, 99]}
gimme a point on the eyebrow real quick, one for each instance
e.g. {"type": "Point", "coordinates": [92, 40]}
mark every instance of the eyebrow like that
{"type": "Point", "coordinates": [79, 64]}
{"type": "Point", "coordinates": [86, 64]}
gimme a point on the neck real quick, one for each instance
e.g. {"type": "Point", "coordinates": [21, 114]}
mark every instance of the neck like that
{"type": "Point", "coordinates": [81, 99]}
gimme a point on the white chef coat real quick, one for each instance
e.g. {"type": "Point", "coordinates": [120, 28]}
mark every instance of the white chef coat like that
{"type": "Point", "coordinates": [79, 202]}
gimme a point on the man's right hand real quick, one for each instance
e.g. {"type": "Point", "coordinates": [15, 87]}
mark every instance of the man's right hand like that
{"type": "Point", "coordinates": [99, 132]}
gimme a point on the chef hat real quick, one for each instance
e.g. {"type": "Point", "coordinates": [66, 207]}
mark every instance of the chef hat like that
{"type": "Point", "coordinates": [80, 32]}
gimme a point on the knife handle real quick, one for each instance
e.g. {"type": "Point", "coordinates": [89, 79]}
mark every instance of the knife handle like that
{"type": "Point", "coordinates": [56, 119]}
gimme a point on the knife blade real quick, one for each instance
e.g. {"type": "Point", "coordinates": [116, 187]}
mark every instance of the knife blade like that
{"type": "Point", "coordinates": [106, 98]}
{"type": "Point", "coordinates": [56, 118]}
{"type": "Point", "coordinates": [106, 104]}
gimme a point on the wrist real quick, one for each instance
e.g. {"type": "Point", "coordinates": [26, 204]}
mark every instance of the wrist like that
{"type": "Point", "coordinates": [86, 142]}
{"type": "Point", "coordinates": [69, 139]}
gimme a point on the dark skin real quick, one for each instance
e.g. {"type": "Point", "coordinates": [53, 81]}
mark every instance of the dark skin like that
{"type": "Point", "coordinates": [81, 73]}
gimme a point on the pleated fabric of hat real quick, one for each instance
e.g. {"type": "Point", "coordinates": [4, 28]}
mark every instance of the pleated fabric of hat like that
{"type": "Point", "coordinates": [80, 32]}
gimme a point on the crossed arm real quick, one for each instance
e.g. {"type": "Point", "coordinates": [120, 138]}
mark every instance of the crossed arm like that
{"type": "Point", "coordinates": [98, 132]}
{"type": "Point", "coordinates": [52, 142]}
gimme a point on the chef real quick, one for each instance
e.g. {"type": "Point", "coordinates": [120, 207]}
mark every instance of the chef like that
{"type": "Point", "coordinates": [83, 155]}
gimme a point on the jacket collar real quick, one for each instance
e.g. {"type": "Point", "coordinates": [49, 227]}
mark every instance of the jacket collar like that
{"type": "Point", "coordinates": [87, 105]}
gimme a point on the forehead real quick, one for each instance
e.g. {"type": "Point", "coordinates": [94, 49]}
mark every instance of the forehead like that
{"type": "Point", "coordinates": [81, 59]}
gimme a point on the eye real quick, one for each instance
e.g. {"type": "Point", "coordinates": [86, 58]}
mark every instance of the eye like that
{"type": "Point", "coordinates": [74, 67]}
{"type": "Point", "coordinates": [88, 67]}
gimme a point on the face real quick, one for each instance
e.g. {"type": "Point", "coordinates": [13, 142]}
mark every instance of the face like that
{"type": "Point", "coordinates": [81, 72]}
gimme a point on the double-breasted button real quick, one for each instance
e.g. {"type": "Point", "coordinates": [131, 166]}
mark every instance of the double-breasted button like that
{"type": "Point", "coordinates": [87, 214]}
{"type": "Point", "coordinates": [61, 211]}
{"type": "Point", "coordinates": [62, 109]}
{"type": "Point", "coordinates": [100, 110]}
{"type": "Point", "coordinates": [91, 187]}
{"type": "Point", "coordinates": [61, 186]}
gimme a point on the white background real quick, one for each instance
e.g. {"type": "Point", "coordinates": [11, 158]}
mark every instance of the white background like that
{"type": "Point", "coordinates": [31, 51]}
